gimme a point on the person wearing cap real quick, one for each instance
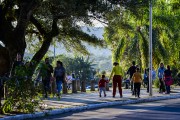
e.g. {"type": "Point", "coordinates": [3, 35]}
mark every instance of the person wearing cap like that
{"type": "Point", "coordinates": [117, 78]}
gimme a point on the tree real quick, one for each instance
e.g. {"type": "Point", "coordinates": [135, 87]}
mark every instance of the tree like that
{"type": "Point", "coordinates": [45, 20]}
{"type": "Point", "coordinates": [82, 67]}
{"type": "Point", "coordinates": [127, 32]}
{"type": "Point", "coordinates": [103, 72]}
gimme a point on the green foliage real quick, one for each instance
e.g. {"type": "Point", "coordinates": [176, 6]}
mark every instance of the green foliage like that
{"type": "Point", "coordinates": [80, 66]}
{"type": "Point", "coordinates": [21, 93]}
{"type": "Point", "coordinates": [71, 14]}
{"type": "Point", "coordinates": [156, 83]}
{"type": "Point", "coordinates": [128, 32]}
{"type": "Point", "coordinates": [176, 72]}
{"type": "Point", "coordinates": [103, 72]}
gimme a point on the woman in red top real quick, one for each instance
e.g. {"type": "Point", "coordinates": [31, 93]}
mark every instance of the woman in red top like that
{"type": "Point", "coordinates": [102, 86]}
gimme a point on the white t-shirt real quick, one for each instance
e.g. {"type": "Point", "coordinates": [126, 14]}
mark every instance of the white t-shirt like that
{"type": "Point", "coordinates": [69, 79]}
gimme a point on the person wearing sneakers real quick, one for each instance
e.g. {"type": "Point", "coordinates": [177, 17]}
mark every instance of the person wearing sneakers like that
{"type": "Point", "coordinates": [137, 79]}
{"type": "Point", "coordinates": [117, 78]}
{"type": "Point", "coordinates": [102, 85]}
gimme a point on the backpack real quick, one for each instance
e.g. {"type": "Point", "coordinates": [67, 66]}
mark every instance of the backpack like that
{"type": "Point", "coordinates": [59, 72]}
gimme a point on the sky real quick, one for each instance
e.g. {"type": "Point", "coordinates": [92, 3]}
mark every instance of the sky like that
{"type": "Point", "coordinates": [97, 31]}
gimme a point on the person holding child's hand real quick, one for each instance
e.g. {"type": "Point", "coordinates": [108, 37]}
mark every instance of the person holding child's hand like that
{"type": "Point", "coordinates": [117, 78]}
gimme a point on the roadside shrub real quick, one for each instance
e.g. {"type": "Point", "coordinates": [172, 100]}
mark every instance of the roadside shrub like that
{"type": "Point", "coordinates": [21, 93]}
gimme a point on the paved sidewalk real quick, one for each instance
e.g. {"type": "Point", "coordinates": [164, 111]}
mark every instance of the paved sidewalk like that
{"type": "Point", "coordinates": [84, 101]}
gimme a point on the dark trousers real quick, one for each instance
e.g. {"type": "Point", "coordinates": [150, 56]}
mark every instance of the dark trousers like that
{"type": "Point", "coordinates": [132, 86]}
{"type": "Point", "coordinates": [46, 86]}
{"type": "Point", "coordinates": [161, 85]}
{"type": "Point", "coordinates": [117, 80]}
{"type": "Point", "coordinates": [167, 89]}
{"type": "Point", "coordinates": [137, 87]}
{"type": "Point", "coordinates": [148, 86]}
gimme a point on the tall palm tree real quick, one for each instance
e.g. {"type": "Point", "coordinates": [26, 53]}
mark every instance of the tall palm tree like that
{"type": "Point", "coordinates": [127, 33]}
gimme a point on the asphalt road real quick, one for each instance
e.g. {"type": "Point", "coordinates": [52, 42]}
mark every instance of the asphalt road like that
{"type": "Point", "coordinates": [160, 110]}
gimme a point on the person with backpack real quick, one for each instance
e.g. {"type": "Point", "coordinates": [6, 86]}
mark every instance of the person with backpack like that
{"type": "Point", "coordinates": [168, 79]}
{"type": "Point", "coordinates": [137, 79]}
{"type": "Point", "coordinates": [117, 78]}
{"type": "Point", "coordinates": [59, 74]}
{"type": "Point", "coordinates": [131, 71]}
{"type": "Point", "coordinates": [160, 76]}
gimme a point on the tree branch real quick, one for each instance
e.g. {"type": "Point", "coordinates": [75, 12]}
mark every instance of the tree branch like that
{"type": "Point", "coordinates": [48, 37]}
{"type": "Point", "coordinates": [32, 31]}
{"type": "Point", "coordinates": [60, 16]}
{"type": "Point", "coordinates": [54, 31]}
{"type": "Point", "coordinates": [38, 25]}
{"type": "Point", "coordinates": [91, 39]}
{"type": "Point", "coordinates": [40, 53]}
{"type": "Point", "coordinates": [91, 16]}
{"type": "Point", "coordinates": [7, 4]}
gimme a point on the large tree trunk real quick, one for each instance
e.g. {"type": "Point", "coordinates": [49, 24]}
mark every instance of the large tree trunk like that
{"type": "Point", "coordinates": [78, 85]}
{"type": "Point", "coordinates": [4, 61]}
{"type": "Point", "coordinates": [48, 37]}
{"type": "Point", "coordinates": [83, 86]}
{"type": "Point", "coordinates": [74, 86]}
{"type": "Point", "coordinates": [92, 85]}
{"type": "Point", "coordinates": [65, 91]}
{"type": "Point", "coordinates": [40, 53]}
{"type": "Point", "coordinates": [14, 38]}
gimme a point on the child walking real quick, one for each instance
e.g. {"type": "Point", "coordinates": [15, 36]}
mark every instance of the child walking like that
{"type": "Point", "coordinates": [137, 79]}
{"type": "Point", "coordinates": [102, 85]}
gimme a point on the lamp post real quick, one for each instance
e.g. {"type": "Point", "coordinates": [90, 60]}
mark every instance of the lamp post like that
{"type": "Point", "coordinates": [150, 49]}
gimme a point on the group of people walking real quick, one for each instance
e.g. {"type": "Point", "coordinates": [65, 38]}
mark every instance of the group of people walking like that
{"type": "Point", "coordinates": [165, 78]}
{"type": "Point", "coordinates": [135, 76]}
{"type": "Point", "coordinates": [53, 78]}
{"type": "Point", "coordinates": [49, 80]}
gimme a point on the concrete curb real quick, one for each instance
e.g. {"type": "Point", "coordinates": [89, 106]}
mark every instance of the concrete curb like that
{"type": "Point", "coordinates": [88, 107]}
